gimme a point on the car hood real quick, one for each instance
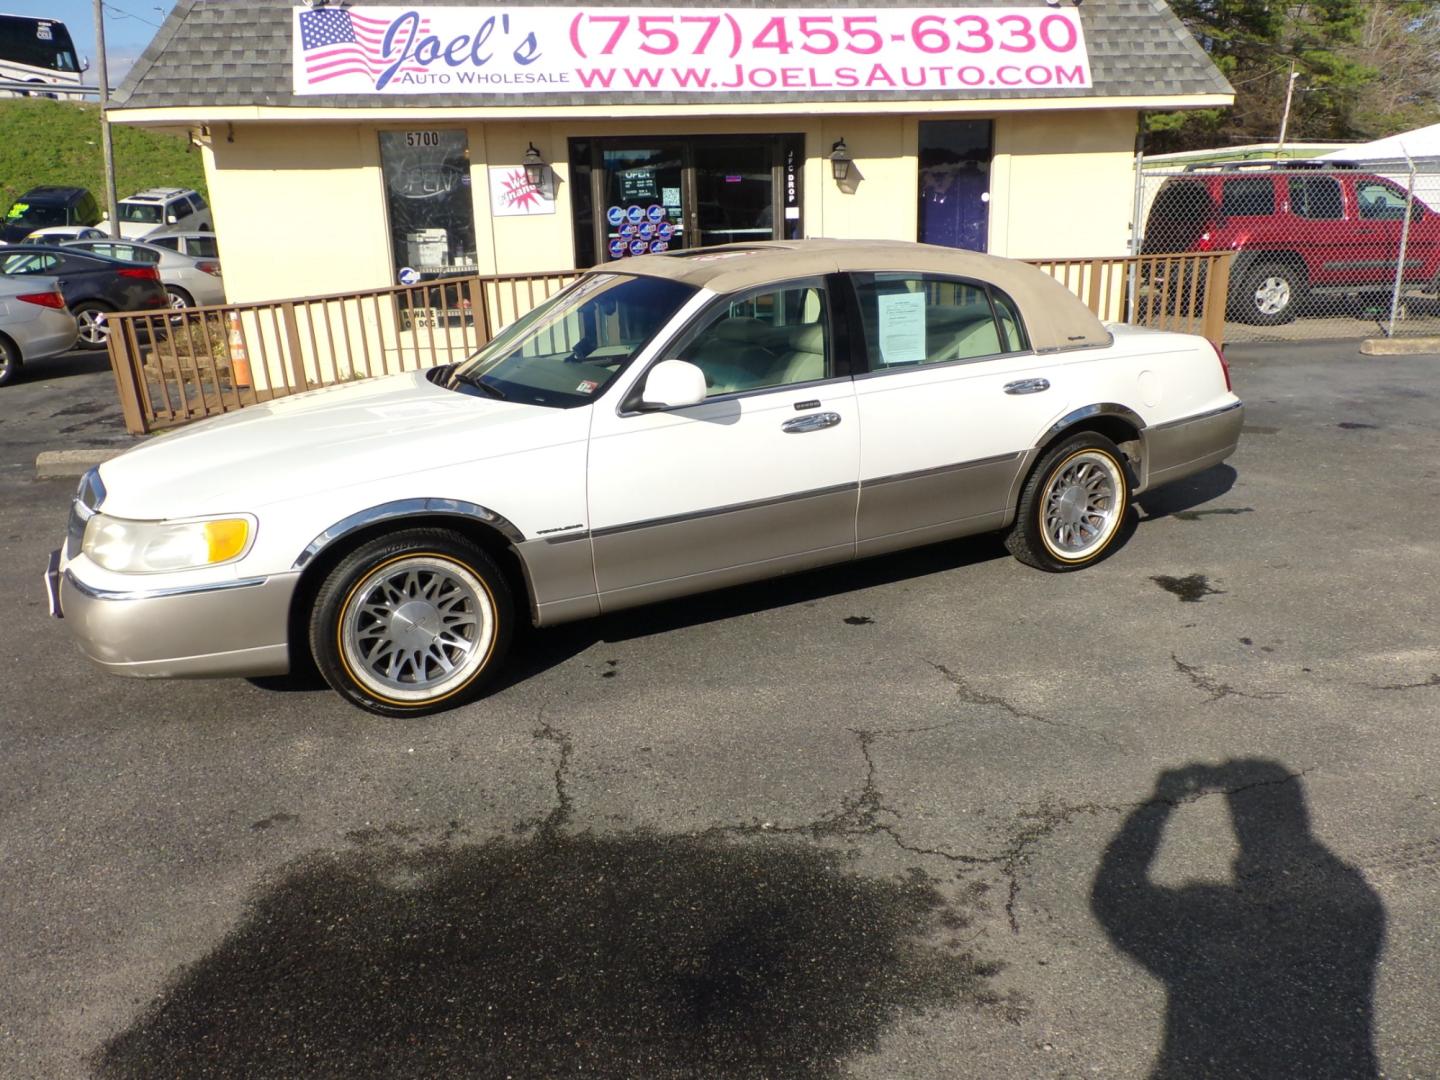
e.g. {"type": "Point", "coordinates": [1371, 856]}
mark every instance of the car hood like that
{"type": "Point", "coordinates": [323, 440]}
{"type": "Point", "coordinates": [13, 234]}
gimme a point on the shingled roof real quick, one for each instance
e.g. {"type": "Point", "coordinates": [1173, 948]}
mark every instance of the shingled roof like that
{"type": "Point", "coordinates": [238, 52]}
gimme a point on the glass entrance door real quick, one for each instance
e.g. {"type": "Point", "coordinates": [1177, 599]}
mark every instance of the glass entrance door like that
{"type": "Point", "coordinates": [653, 195]}
{"type": "Point", "coordinates": [644, 206]}
{"type": "Point", "coordinates": [734, 192]}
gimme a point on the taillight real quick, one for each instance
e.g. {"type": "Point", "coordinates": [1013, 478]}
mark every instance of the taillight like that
{"type": "Point", "coordinates": [1224, 367]}
{"type": "Point", "coordinates": [145, 273]}
{"type": "Point", "coordinates": [1205, 242]}
{"type": "Point", "coordinates": [212, 268]}
{"type": "Point", "coordinates": [44, 299]}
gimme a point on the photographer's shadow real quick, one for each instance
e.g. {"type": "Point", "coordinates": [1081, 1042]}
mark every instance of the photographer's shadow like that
{"type": "Point", "coordinates": [1269, 976]}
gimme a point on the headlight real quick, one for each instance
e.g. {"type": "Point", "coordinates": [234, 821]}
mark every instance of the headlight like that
{"type": "Point", "coordinates": [153, 547]}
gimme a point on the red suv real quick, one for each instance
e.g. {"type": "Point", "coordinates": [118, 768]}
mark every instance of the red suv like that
{"type": "Point", "coordinates": [1300, 232]}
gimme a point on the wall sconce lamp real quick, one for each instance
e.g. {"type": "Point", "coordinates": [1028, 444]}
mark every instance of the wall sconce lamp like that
{"type": "Point", "coordinates": [840, 161]}
{"type": "Point", "coordinates": [534, 166]}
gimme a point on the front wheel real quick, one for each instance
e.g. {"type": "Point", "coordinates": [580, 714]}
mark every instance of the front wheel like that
{"type": "Point", "coordinates": [412, 623]}
{"type": "Point", "coordinates": [1072, 506]}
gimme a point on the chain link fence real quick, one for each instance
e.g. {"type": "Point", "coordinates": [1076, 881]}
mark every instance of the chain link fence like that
{"type": "Point", "coordinates": [1322, 249]}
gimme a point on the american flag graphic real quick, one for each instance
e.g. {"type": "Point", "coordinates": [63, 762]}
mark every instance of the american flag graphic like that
{"type": "Point", "coordinates": [338, 42]}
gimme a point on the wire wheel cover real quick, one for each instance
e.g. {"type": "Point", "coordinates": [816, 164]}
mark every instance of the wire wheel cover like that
{"type": "Point", "coordinates": [1082, 504]}
{"type": "Point", "coordinates": [417, 627]}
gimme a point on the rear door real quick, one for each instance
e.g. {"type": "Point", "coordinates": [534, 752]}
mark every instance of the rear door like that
{"type": "Point", "coordinates": [1323, 235]}
{"type": "Point", "coordinates": [952, 400]}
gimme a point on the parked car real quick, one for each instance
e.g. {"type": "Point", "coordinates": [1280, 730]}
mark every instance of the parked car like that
{"type": "Point", "coordinates": [43, 207]}
{"type": "Point", "coordinates": [34, 323]}
{"type": "Point", "coordinates": [92, 284]}
{"type": "Point", "coordinates": [59, 234]}
{"type": "Point", "coordinates": [158, 209]}
{"type": "Point", "coordinates": [683, 423]}
{"type": "Point", "coordinates": [188, 280]}
{"type": "Point", "coordinates": [1299, 232]}
{"type": "Point", "coordinates": [201, 244]}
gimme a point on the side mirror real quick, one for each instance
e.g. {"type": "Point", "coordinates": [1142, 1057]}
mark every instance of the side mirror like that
{"type": "Point", "coordinates": [172, 219]}
{"type": "Point", "coordinates": [84, 63]}
{"type": "Point", "coordinates": [673, 384]}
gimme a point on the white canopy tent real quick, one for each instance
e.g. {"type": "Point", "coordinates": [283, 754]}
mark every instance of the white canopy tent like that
{"type": "Point", "coordinates": [1422, 143]}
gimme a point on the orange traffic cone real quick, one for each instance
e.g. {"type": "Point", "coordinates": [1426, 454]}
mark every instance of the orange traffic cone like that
{"type": "Point", "coordinates": [239, 361]}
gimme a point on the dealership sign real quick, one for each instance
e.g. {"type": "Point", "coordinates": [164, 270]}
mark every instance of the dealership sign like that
{"type": "Point", "coordinates": [522, 50]}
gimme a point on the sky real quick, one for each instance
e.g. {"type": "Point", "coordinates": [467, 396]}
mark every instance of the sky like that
{"type": "Point", "coordinates": [129, 26]}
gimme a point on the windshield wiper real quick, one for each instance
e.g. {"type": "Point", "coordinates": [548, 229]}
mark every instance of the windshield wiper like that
{"type": "Point", "coordinates": [478, 382]}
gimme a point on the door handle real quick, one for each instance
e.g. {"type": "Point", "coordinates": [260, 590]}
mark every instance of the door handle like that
{"type": "Point", "coordinates": [813, 422]}
{"type": "Point", "coordinates": [1027, 386]}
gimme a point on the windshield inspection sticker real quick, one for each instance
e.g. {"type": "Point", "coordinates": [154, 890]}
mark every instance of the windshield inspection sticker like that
{"type": "Point", "coordinates": [586, 387]}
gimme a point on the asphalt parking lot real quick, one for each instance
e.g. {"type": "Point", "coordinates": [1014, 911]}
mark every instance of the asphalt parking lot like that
{"type": "Point", "coordinates": [934, 815]}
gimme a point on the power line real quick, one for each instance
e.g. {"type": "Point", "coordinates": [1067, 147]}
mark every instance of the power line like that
{"type": "Point", "coordinates": [123, 14]}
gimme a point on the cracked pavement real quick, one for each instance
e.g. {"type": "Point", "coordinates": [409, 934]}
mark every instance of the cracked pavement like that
{"type": "Point", "coordinates": [848, 824]}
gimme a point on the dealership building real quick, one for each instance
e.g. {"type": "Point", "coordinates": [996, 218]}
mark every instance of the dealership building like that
{"type": "Point", "coordinates": [350, 147]}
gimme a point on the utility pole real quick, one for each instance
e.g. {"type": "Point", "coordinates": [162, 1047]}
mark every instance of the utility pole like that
{"type": "Point", "coordinates": [1285, 119]}
{"type": "Point", "coordinates": [107, 151]}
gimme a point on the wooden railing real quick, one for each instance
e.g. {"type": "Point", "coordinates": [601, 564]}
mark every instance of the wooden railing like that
{"type": "Point", "coordinates": [185, 365]}
{"type": "Point", "coordinates": [1183, 291]}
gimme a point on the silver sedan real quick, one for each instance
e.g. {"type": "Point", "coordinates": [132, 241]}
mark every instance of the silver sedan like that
{"type": "Point", "coordinates": [189, 280]}
{"type": "Point", "coordinates": [34, 322]}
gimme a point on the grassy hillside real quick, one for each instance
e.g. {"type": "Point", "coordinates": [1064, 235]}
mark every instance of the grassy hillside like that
{"type": "Point", "coordinates": [58, 142]}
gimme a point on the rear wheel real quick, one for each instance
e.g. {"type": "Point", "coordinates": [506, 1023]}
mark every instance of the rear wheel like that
{"type": "Point", "coordinates": [1072, 506]}
{"type": "Point", "coordinates": [9, 362]}
{"type": "Point", "coordinates": [1269, 295]}
{"type": "Point", "coordinates": [179, 298]}
{"type": "Point", "coordinates": [412, 623]}
{"type": "Point", "coordinates": [90, 318]}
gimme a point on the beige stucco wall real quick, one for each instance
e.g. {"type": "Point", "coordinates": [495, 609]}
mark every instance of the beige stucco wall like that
{"type": "Point", "coordinates": [300, 208]}
{"type": "Point", "coordinates": [1062, 185]}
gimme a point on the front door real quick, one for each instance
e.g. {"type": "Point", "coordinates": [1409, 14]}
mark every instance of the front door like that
{"type": "Point", "coordinates": [758, 479]}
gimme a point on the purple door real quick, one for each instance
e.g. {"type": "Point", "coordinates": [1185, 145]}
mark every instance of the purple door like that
{"type": "Point", "coordinates": [955, 183]}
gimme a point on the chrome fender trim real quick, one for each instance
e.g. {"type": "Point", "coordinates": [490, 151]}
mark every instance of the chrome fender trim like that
{"type": "Point", "coordinates": [1104, 408]}
{"type": "Point", "coordinates": [403, 508]}
{"type": "Point", "coordinates": [1070, 419]}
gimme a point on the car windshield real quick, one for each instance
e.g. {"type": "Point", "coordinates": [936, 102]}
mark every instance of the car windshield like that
{"type": "Point", "coordinates": [145, 213]}
{"type": "Point", "coordinates": [569, 349]}
{"type": "Point", "coordinates": [35, 217]}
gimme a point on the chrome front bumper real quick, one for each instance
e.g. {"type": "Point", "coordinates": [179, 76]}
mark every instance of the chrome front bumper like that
{"type": "Point", "coordinates": [237, 628]}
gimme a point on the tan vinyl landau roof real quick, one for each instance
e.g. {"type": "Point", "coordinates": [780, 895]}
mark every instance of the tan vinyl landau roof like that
{"type": "Point", "coordinates": [1054, 316]}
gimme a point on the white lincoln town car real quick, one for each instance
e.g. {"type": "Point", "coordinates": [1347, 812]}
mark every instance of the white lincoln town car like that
{"type": "Point", "coordinates": [666, 425]}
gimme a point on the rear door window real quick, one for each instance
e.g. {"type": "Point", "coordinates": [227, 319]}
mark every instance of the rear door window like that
{"type": "Point", "coordinates": [1250, 197]}
{"type": "Point", "coordinates": [1316, 197]}
{"type": "Point", "coordinates": [919, 319]}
